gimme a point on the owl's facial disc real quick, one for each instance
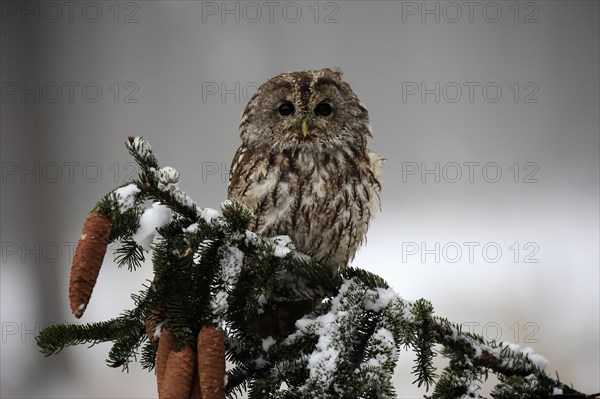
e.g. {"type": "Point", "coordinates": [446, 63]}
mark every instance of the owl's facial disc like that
{"type": "Point", "coordinates": [305, 109]}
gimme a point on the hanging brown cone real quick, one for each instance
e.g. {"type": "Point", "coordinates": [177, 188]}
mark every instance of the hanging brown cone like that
{"type": "Point", "coordinates": [165, 347]}
{"type": "Point", "coordinates": [87, 261]}
{"type": "Point", "coordinates": [156, 317]}
{"type": "Point", "coordinates": [211, 363]}
{"type": "Point", "coordinates": [179, 374]}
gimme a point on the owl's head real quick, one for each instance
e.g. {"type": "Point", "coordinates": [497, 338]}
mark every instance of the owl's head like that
{"type": "Point", "coordinates": [305, 109]}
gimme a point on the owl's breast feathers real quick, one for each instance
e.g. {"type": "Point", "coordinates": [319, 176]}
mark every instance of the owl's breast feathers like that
{"type": "Point", "coordinates": [323, 200]}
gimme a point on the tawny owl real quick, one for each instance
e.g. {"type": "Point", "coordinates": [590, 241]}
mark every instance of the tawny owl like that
{"type": "Point", "coordinates": [304, 168]}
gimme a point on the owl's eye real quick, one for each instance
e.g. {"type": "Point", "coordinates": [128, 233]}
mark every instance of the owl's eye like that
{"type": "Point", "coordinates": [323, 109]}
{"type": "Point", "coordinates": [287, 108]}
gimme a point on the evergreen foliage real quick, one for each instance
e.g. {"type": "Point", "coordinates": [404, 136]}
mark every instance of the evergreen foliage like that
{"type": "Point", "coordinates": [210, 270]}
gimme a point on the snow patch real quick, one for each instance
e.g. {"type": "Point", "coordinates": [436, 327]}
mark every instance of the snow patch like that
{"type": "Point", "coordinates": [267, 343]}
{"type": "Point", "coordinates": [538, 360]}
{"type": "Point", "coordinates": [379, 299]}
{"type": "Point", "coordinates": [261, 301]}
{"type": "Point", "coordinates": [192, 228]}
{"type": "Point", "coordinates": [232, 259]}
{"type": "Point", "coordinates": [252, 238]}
{"type": "Point", "coordinates": [219, 303]}
{"type": "Point", "coordinates": [158, 330]}
{"type": "Point", "coordinates": [168, 179]}
{"type": "Point", "coordinates": [227, 203]}
{"type": "Point", "coordinates": [384, 348]}
{"type": "Point", "coordinates": [322, 362]}
{"type": "Point", "coordinates": [385, 336]}
{"type": "Point", "coordinates": [198, 253]}
{"type": "Point", "coordinates": [283, 245]}
{"type": "Point", "coordinates": [125, 197]}
{"type": "Point", "coordinates": [184, 199]}
{"type": "Point", "coordinates": [154, 218]}
{"type": "Point", "coordinates": [472, 391]}
{"type": "Point", "coordinates": [141, 146]}
{"type": "Point", "coordinates": [209, 215]}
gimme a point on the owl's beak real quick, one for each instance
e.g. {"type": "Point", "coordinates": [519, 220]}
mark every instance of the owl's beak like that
{"type": "Point", "coordinates": [305, 128]}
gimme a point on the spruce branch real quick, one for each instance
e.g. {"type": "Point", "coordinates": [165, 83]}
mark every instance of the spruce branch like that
{"type": "Point", "coordinates": [422, 340]}
{"type": "Point", "coordinates": [129, 338]}
{"type": "Point", "coordinates": [129, 254]}
{"type": "Point", "coordinates": [54, 338]}
{"type": "Point", "coordinates": [160, 184]}
{"type": "Point", "coordinates": [213, 275]}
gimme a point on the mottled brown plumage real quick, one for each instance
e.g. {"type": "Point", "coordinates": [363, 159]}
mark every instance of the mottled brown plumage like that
{"type": "Point", "coordinates": [303, 167]}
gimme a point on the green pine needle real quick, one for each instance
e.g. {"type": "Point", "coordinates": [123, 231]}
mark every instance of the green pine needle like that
{"type": "Point", "coordinates": [199, 281]}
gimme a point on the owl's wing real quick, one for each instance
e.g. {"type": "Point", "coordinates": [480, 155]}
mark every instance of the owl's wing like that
{"type": "Point", "coordinates": [376, 166]}
{"type": "Point", "coordinates": [237, 166]}
{"type": "Point", "coordinates": [243, 172]}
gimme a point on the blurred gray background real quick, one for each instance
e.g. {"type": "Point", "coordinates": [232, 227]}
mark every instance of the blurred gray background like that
{"type": "Point", "coordinates": [486, 111]}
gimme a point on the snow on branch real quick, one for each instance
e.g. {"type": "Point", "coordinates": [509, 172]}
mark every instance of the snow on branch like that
{"type": "Point", "coordinates": [214, 278]}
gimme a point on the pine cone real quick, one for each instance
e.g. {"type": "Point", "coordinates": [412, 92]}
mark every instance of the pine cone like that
{"type": "Point", "coordinates": [165, 346]}
{"type": "Point", "coordinates": [87, 261]}
{"type": "Point", "coordinates": [211, 363]}
{"type": "Point", "coordinates": [179, 374]}
{"type": "Point", "coordinates": [156, 317]}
